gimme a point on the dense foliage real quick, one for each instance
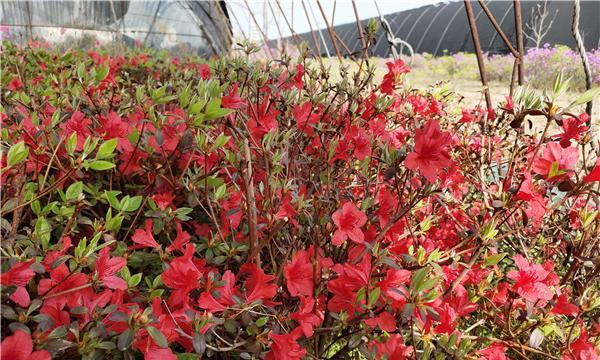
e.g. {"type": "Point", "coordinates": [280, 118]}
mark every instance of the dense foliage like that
{"type": "Point", "coordinates": [169, 208]}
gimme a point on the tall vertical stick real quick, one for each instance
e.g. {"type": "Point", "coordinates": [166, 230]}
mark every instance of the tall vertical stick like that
{"type": "Point", "coordinates": [519, 35]}
{"type": "Point", "coordinates": [583, 55]}
{"type": "Point", "coordinates": [360, 32]}
{"type": "Point", "coordinates": [478, 52]}
{"type": "Point", "coordinates": [263, 35]}
{"type": "Point", "coordinates": [331, 33]}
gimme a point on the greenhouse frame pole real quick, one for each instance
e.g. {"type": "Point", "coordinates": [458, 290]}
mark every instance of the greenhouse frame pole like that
{"type": "Point", "coordinates": [478, 52]}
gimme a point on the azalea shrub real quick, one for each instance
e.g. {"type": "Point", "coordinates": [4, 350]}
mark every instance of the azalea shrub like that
{"type": "Point", "coordinates": [164, 208]}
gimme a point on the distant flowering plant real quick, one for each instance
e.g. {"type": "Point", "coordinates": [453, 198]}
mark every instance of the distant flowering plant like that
{"type": "Point", "coordinates": [542, 65]}
{"type": "Point", "coordinates": [175, 209]}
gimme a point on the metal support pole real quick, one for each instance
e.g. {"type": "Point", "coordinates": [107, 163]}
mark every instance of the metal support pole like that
{"type": "Point", "coordinates": [498, 28]}
{"type": "Point", "coordinates": [519, 35]}
{"type": "Point", "coordinates": [478, 52]}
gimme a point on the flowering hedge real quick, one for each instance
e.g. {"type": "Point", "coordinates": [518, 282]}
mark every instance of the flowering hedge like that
{"type": "Point", "coordinates": [176, 209]}
{"type": "Point", "coordinates": [542, 65]}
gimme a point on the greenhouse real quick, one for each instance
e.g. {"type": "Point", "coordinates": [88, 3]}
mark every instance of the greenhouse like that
{"type": "Point", "coordinates": [200, 26]}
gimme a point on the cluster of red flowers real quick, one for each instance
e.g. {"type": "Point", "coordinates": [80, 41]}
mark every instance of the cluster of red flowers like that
{"type": "Point", "coordinates": [168, 207]}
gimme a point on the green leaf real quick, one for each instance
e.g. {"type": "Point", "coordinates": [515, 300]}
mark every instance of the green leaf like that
{"type": "Point", "coordinates": [197, 107]}
{"type": "Point", "coordinates": [221, 192]}
{"type": "Point", "coordinates": [494, 259]}
{"type": "Point", "coordinates": [43, 232]}
{"type": "Point", "coordinates": [17, 154]}
{"type": "Point", "coordinates": [114, 224]}
{"type": "Point", "coordinates": [221, 140]}
{"type": "Point", "coordinates": [55, 118]}
{"type": "Point", "coordinates": [373, 296]}
{"type": "Point", "coordinates": [134, 280]}
{"type": "Point", "coordinates": [585, 97]}
{"type": "Point", "coordinates": [111, 197]}
{"type": "Point", "coordinates": [158, 337]}
{"type": "Point", "coordinates": [427, 284]}
{"type": "Point", "coordinates": [214, 110]}
{"type": "Point", "coordinates": [106, 345]}
{"type": "Point", "coordinates": [133, 204]}
{"type": "Point", "coordinates": [125, 339]}
{"type": "Point", "coordinates": [106, 149]}
{"type": "Point", "coordinates": [182, 213]}
{"type": "Point", "coordinates": [74, 190]}
{"type": "Point", "coordinates": [489, 231]}
{"type": "Point", "coordinates": [260, 322]}
{"type": "Point", "coordinates": [418, 277]}
{"type": "Point", "coordinates": [101, 165]}
{"type": "Point", "coordinates": [555, 170]}
{"type": "Point", "coordinates": [199, 343]}
{"type": "Point", "coordinates": [58, 333]}
{"type": "Point", "coordinates": [71, 143]}
{"type": "Point", "coordinates": [102, 72]}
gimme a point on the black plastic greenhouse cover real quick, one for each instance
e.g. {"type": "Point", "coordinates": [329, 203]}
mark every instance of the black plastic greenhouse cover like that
{"type": "Point", "coordinates": [202, 27]}
{"type": "Point", "coordinates": [443, 28]}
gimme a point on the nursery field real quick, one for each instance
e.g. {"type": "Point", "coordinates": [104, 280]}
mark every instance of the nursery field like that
{"type": "Point", "coordinates": [161, 207]}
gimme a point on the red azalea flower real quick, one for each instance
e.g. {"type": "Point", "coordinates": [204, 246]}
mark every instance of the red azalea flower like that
{"type": "Point", "coordinates": [530, 280]}
{"type": "Point", "coordinates": [299, 275]}
{"type": "Point", "coordinates": [204, 71]}
{"type": "Point", "coordinates": [392, 286]}
{"type": "Point", "coordinates": [349, 220]}
{"type": "Point", "coordinates": [555, 162]}
{"type": "Point", "coordinates": [18, 275]}
{"type": "Point", "coordinates": [286, 211]}
{"type": "Point", "coordinates": [361, 141]}
{"type": "Point", "coordinates": [594, 175]}
{"type": "Point", "coordinates": [159, 354]}
{"type": "Point", "coordinates": [571, 129]}
{"type": "Point", "coordinates": [430, 154]}
{"type": "Point", "coordinates": [306, 117]}
{"type": "Point", "coordinates": [298, 81]}
{"type": "Point", "coordinates": [534, 197]}
{"type": "Point", "coordinates": [65, 288]}
{"type": "Point", "coordinates": [182, 239]}
{"type": "Point", "coordinates": [448, 318]}
{"type": "Point", "coordinates": [393, 76]}
{"type": "Point", "coordinates": [14, 84]}
{"type": "Point", "coordinates": [582, 349]}
{"type": "Point", "coordinates": [394, 348]}
{"type": "Point", "coordinates": [182, 275]}
{"type": "Point", "coordinates": [285, 347]}
{"type": "Point", "coordinates": [258, 284]}
{"type": "Point", "coordinates": [385, 321]}
{"type": "Point", "coordinates": [218, 299]}
{"type": "Point", "coordinates": [77, 123]}
{"type": "Point", "coordinates": [145, 238]}
{"type": "Point", "coordinates": [232, 100]}
{"type": "Point", "coordinates": [19, 346]}
{"type": "Point", "coordinates": [493, 352]}
{"type": "Point", "coordinates": [107, 267]}
{"type": "Point", "coordinates": [163, 200]}
{"type": "Point", "coordinates": [310, 315]}
{"type": "Point", "coordinates": [351, 278]}
{"type": "Point", "coordinates": [564, 307]}
{"type": "Point", "coordinates": [112, 126]}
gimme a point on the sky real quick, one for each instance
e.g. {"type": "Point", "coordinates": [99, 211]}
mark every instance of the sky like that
{"type": "Point", "coordinates": [244, 24]}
